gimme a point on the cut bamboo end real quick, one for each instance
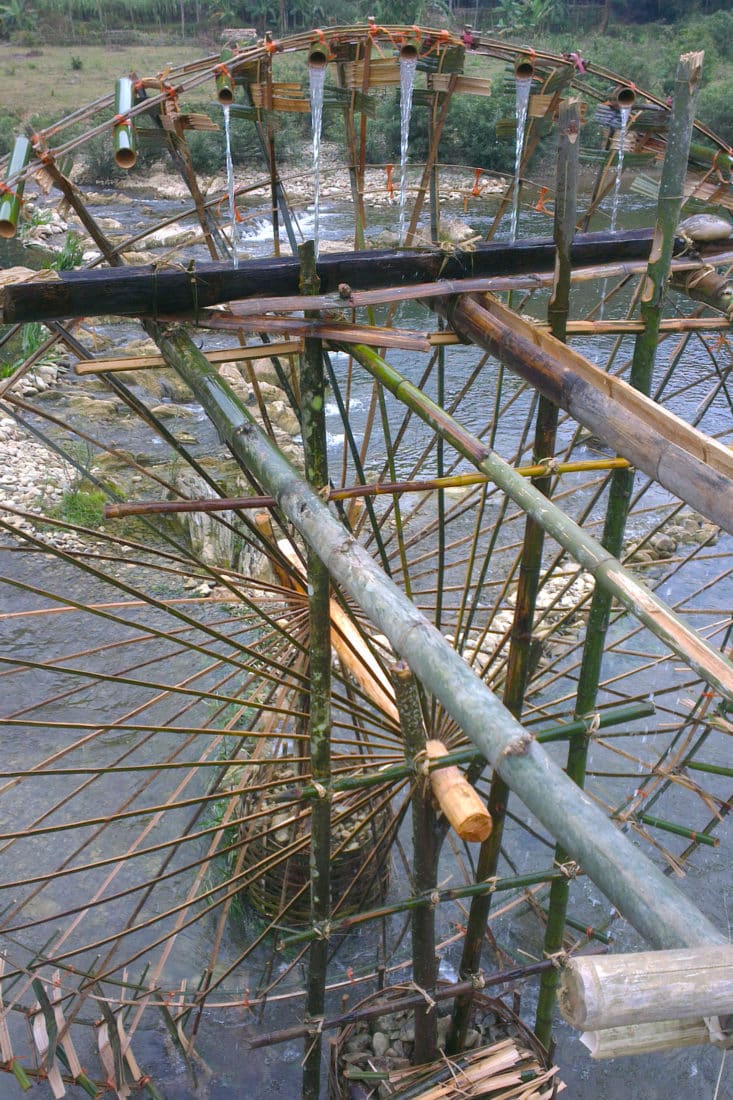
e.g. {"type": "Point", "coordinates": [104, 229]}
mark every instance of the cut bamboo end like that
{"type": "Point", "coordinates": [646, 987]}
{"type": "Point", "coordinates": [457, 798]}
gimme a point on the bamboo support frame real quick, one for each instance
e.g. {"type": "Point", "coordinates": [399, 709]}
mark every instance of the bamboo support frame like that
{"type": "Point", "coordinates": [664, 916]}
{"type": "Point", "coordinates": [608, 572]}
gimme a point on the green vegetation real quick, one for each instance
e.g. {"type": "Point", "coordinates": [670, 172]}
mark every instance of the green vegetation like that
{"type": "Point", "coordinates": [84, 508]}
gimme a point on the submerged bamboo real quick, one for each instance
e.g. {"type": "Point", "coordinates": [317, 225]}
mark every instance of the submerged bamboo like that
{"type": "Point", "coordinates": [639, 890]}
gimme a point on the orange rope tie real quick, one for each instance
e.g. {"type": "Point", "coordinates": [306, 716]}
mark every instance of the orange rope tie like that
{"type": "Point", "coordinates": [272, 47]}
{"type": "Point", "coordinates": [476, 190]}
{"type": "Point", "coordinates": [389, 168]}
{"type": "Point", "coordinates": [540, 204]}
{"type": "Point", "coordinates": [122, 120]}
{"type": "Point", "coordinates": [5, 190]}
{"type": "Point", "coordinates": [222, 70]}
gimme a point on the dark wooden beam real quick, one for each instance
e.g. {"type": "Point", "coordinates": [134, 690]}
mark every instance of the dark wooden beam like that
{"type": "Point", "coordinates": [152, 291]}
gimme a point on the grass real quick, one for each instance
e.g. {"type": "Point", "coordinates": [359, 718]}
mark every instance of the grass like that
{"type": "Point", "coordinates": [48, 80]}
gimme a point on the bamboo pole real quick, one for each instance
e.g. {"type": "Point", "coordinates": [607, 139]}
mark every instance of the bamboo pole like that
{"type": "Point", "coordinates": [312, 390]}
{"type": "Point", "coordinates": [425, 850]}
{"type": "Point", "coordinates": [642, 893]}
{"type": "Point", "coordinates": [670, 200]}
{"type": "Point", "coordinates": [456, 797]}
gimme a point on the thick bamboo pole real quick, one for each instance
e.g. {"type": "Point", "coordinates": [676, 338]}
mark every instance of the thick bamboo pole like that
{"type": "Point", "coordinates": [312, 391]}
{"type": "Point", "coordinates": [647, 986]}
{"type": "Point", "coordinates": [590, 554]}
{"type": "Point", "coordinates": [425, 860]}
{"type": "Point", "coordinates": [670, 200]}
{"type": "Point", "coordinates": [641, 892]}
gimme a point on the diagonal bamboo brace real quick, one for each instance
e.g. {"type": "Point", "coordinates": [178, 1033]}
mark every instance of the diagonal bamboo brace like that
{"type": "Point", "coordinates": [457, 798]}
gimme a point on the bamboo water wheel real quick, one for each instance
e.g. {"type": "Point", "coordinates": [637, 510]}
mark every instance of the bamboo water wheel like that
{"type": "Point", "coordinates": [157, 698]}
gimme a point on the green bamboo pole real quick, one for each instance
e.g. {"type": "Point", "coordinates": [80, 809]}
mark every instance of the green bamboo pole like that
{"type": "Point", "coordinates": [531, 560]}
{"type": "Point", "coordinates": [638, 889]}
{"type": "Point", "coordinates": [312, 394]}
{"type": "Point", "coordinates": [424, 860]}
{"type": "Point", "coordinates": [431, 900]}
{"type": "Point", "coordinates": [622, 482]}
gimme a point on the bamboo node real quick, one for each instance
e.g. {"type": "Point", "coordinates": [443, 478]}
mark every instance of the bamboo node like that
{"type": "Point", "coordinates": [518, 746]}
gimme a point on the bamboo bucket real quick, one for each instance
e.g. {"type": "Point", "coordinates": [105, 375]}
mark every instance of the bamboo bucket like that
{"type": "Point", "coordinates": [357, 882]}
{"type": "Point", "coordinates": [509, 1055]}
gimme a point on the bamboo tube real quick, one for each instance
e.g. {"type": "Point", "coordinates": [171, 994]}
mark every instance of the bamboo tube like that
{"type": "Point", "coordinates": [646, 986]}
{"type": "Point", "coordinates": [12, 200]}
{"type": "Point", "coordinates": [457, 798]}
{"type": "Point", "coordinates": [224, 79]}
{"type": "Point", "coordinates": [638, 889]}
{"type": "Point", "coordinates": [125, 142]}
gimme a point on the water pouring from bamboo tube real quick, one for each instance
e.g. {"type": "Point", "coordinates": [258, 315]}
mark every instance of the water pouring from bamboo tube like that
{"type": "Point", "coordinates": [318, 58]}
{"type": "Point", "coordinates": [523, 75]}
{"type": "Point", "coordinates": [11, 198]}
{"type": "Point", "coordinates": [125, 140]}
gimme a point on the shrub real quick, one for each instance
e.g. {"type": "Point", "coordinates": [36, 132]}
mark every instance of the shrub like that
{"type": "Point", "coordinates": [85, 509]}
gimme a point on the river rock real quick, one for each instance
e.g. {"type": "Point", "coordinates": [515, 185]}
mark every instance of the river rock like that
{"type": "Point", "coordinates": [455, 232]}
{"type": "Point", "coordinates": [95, 408]}
{"type": "Point", "coordinates": [215, 542]}
{"type": "Point", "coordinates": [380, 1043]}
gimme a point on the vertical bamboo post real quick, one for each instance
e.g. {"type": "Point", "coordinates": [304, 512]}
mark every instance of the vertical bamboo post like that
{"type": "Point", "coordinates": [671, 193]}
{"type": "Point", "coordinates": [312, 391]}
{"type": "Point", "coordinates": [424, 857]}
{"type": "Point", "coordinates": [531, 561]}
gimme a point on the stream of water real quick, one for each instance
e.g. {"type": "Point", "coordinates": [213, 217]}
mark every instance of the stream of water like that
{"type": "Point", "coordinates": [230, 185]}
{"type": "Point", "coordinates": [523, 89]}
{"type": "Point", "coordinates": [317, 80]}
{"type": "Point", "coordinates": [408, 68]}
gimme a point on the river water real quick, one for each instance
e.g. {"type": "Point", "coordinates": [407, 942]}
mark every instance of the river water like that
{"type": "Point", "coordinates": [229, 1070]}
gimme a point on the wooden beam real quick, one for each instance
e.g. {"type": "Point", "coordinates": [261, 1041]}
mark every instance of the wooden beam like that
{"type": "Point", "coordinates": [155, 291]}
{"type": "Point", "coordinates": [223, 355]}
